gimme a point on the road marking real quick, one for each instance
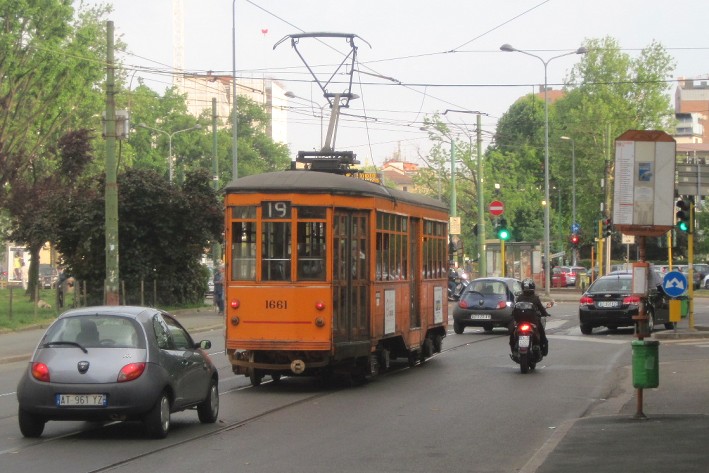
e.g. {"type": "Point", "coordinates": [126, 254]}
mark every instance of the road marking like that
{"type": "Point", "coordinates": [588, 338]}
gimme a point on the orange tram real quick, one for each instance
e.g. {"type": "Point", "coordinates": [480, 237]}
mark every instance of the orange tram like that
{"type": "Point", "coordinates": [327, 273]}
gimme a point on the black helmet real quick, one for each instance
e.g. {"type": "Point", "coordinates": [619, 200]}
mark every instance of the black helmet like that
{"type": "Point", "coordinates": [528, 286]}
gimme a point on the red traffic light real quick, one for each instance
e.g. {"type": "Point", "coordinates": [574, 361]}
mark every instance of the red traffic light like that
{"type": "Point", "coordinates": [574, 239]}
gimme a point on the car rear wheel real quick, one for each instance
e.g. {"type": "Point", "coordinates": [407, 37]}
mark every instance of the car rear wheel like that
{"type": "Point", "coordinates": [157, 420]}
{"type": "Point", "coordinates": [488, 327]}
{"type": "Point", "coordinates": [586, 329]}
{"type": "Point", "coordinates": [30, 425]}
{"type": "Point", "coordinates": [208, 410]}
{"type": "Point", "coordinates": [458, 327]}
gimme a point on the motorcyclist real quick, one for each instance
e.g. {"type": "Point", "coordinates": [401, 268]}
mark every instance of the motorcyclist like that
{"type": "Point", "coordinates": [528, 295]}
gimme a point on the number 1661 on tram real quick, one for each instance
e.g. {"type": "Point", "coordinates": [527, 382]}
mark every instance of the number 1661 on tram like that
{"type": "Point", "coordinates": [329, 273]}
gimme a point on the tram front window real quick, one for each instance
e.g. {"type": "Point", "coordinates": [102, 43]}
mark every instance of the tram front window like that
{"type": "Point", "coordinates": [276, 251]}
{"type": "Point", "coordinates": [311, 251]}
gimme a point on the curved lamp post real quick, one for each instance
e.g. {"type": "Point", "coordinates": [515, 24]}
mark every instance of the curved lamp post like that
{"type": "Point", "coordinates": [169, 140]}
{"type": "Point", "coordinates": [582, 50]}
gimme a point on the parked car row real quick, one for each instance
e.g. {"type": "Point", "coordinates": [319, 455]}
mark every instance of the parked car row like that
{"type": "Point", "coordinates": [608, 302]}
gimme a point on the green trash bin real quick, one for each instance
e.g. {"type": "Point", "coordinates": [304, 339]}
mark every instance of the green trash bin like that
{"type": "Point", "coordinates": [684, 306]}
{"type": "Point", "coordinates": [646, 364]}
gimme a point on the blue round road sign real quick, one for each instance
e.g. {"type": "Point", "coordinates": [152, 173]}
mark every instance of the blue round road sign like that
{"type": "Point", "coordinates": [674, 283]}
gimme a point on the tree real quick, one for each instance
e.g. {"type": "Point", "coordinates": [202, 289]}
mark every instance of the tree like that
{"type": "Point", "coordinates": [614, 93]}
{"type": "Point", "coordinates": [51, 66]}
{"type": "Point", "coordinates": [163, 232]}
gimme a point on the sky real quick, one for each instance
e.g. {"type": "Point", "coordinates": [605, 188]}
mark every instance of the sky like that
{"type": "Point", "coordinates": [415, 58]}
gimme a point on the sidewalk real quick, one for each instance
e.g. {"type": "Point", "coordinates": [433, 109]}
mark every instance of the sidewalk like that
{"type": "Point", "coordinates": [19, 345]}
{"type": "Point", "coordinates": [668, 431]}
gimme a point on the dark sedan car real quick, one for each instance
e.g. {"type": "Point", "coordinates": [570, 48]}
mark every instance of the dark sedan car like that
{"type": "Point", "coordinates": [487, 303]}
{"type": "Point", "coordinates": [609, 302]}
{"type": "Point", "coordinates": [117, 363]}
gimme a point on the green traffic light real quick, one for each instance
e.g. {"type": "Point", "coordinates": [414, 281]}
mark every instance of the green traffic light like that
{"type": "Point", "coordinates": [503, 234]}
{"type": "Point", "coordinates": [683, 226]}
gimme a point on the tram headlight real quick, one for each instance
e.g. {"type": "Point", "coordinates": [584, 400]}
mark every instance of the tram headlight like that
{"type": "Point", "coordinates": [235, 320]}
{"type": "Point", "coordinates": [319, 322]}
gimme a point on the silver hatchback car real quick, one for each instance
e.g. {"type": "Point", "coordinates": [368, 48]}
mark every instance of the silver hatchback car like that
{"type": "Point", "coordinates": [117, 363]}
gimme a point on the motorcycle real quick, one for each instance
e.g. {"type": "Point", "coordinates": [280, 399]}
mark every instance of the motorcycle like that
{"type": "Point", "coordinates": [456, 285]}
{"type": "Point", "coordinates": [526, 345]}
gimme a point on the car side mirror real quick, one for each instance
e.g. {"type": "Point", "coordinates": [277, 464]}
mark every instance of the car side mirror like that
{"type": "Point", "coordinates": [205, 344]}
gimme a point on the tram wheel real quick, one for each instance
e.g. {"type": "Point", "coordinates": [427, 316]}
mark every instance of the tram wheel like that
{"type": "Point", "coordinates": [438, 343]}
{"type": "Point", "coordinates": [384, 359]}
{"type": "Point", "coordinates": [255, 376]}
{"type": "Point", "coordinates": [413, 356]}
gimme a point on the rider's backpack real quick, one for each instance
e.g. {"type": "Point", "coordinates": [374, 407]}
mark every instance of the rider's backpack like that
{"type": "Point", "coordinates": [525, 311]}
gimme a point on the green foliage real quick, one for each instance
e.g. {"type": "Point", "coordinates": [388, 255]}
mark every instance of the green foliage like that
{"type": "Point", "coordinates": [163, 231]}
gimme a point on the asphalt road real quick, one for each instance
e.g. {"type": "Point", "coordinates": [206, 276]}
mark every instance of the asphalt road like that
{"type": "Point", "coordinates": [467, 409]}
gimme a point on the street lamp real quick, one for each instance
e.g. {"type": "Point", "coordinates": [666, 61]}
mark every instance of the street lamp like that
{"type": "Point", "coordinates": [582, 50]}
{"type": "Point", "coordinates": [291, 95]}
{"type": "Point", "coordinates": [169, 140]}
{"type": "Point", "coordinates": [573, 191]}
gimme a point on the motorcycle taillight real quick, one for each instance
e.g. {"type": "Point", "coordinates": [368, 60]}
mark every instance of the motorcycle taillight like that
{"type": "Point", "coordinates": [525, 328]}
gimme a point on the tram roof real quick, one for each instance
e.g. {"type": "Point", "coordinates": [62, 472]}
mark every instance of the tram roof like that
{"type": "Point", "coordinates": [314, 182]}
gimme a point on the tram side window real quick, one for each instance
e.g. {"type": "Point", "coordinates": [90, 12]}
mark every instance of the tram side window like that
{"type": "Point", "coordinates": [434, 250]}
{"type": "Point", "coordinates": [275, 251]}
{"type": "Point", "coordinates": [311, 251]}
{"type": "Point", "coordinates": [392, 247]}
{"type": "Point", "coordinates": [243, 251]}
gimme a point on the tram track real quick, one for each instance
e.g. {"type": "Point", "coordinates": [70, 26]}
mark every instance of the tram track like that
{"type": "Point", "coordinates": [396, 368]}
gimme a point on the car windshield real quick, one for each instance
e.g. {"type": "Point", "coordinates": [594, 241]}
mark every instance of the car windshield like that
{"type": "Point", "coordinates": [622, 285]}
{"type": "Point", "coordinates": [96, 331]}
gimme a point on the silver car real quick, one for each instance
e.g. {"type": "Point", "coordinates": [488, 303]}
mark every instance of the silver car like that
{"type": "Point", "coordinates": [110, 363]}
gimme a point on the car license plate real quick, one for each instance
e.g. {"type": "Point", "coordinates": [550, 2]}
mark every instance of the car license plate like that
{"type": "Point", "coordinates": [480, 317]}
{"type": "Point", "coordinates": [608, 304]}
{"type": "Point", "coordinates": [523, 341]}
{"type": "Point", "coordinates": [74, 400]}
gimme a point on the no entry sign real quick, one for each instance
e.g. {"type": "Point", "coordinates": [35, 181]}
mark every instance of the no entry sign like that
{"type": "Point", "coordinates": [496, 208]}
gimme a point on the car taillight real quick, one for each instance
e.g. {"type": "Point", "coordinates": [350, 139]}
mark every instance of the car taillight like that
{"type": "Point", "coordinates": [40, 372]}
{"type": "Point", "coordinates": [130, 372]}
{"type": "Point", "coordinates": [586, 300]}
{"type": "Point", "coordinates": [525, 327]}
{"type": "Point", "coordinates": [631, 300]}
{"type": "Point", "coordinates": [501, 304]}
{"type": "Point", "coordinates": [462, 304]}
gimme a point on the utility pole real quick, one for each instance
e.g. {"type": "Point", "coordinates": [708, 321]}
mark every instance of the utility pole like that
{"type": "Point", "coordinates": [111, 295]}
{"type": "Point", "coordinates": [216, 247]}
{"type": "Point", "coordinates": [482, 258]}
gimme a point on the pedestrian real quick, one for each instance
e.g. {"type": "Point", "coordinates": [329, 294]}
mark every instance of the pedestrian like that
{"type": "Point", "coordinates": [219, 289]}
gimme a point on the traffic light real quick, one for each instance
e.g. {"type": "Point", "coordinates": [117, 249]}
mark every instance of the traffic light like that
{"type": "Point", "coordinates": [607, 228]}
{"type": "Point", "coordinates": [574, 239]}
{"type": "Point", "coordinates": [683, 216]}
{"type": "Point", "coordinates": [503, 232]}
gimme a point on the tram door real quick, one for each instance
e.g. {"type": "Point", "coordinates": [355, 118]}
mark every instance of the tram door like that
{"type": "Point", "coordinates": [414, 275]}
{"type": "Point", "coordinates": [350, 273]}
